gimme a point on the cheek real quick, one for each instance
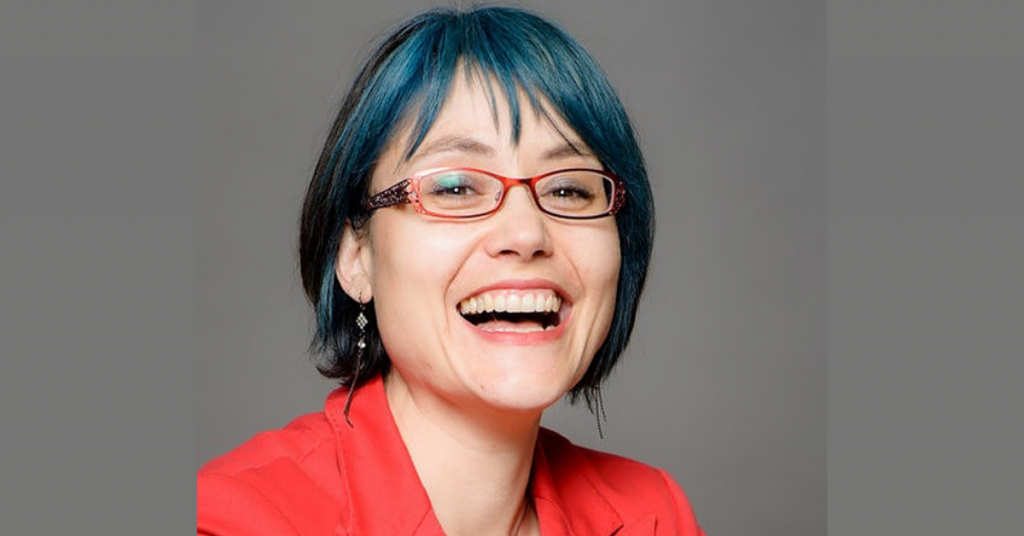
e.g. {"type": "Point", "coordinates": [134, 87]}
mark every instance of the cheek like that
{"type": "Point", "coordinates": [610, 280]}
{"type": "Point", "coordinates": [605, 260]}
{"type": "Point", "coordinates": [612, 262]}
{"type": "Point", "coordinates": [597, 258]}
{"type": "Point", "coordinates": [413, 267]}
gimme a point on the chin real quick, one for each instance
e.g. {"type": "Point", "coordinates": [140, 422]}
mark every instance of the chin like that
{"type": "Point", "coordinates": [523, 392]}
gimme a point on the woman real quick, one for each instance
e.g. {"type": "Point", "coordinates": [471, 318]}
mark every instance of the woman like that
{"type": "Point", "coordinates": [474, 242]}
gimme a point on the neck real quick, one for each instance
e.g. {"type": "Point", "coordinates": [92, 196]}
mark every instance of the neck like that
{"type": "Point", "coordinates": [474, 464]}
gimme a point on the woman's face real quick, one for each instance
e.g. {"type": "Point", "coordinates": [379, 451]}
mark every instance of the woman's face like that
{"type": "Point", "coordinates": [425, 273]}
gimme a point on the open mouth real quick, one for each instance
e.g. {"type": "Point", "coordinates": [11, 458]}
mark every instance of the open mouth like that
{"type": "Point", "coordinates": [513, 311]}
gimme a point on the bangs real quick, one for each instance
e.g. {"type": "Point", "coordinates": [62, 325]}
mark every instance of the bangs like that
{"type": "Point", "coordinates": [488, 56]}
{"type": "Point", "coordinates": [496, 50]}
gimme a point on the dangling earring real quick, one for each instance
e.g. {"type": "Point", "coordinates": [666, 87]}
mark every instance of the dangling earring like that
{"type": "Point", "coordinates": [361, 323]}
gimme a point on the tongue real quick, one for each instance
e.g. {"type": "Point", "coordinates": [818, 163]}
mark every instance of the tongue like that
{"type": "Point", "coordinates": [507, 325]}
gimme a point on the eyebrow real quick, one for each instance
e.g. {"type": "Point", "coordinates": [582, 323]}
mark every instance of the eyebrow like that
{"type": "Point", "coordinates": [462, 144]}
{"type": "Point", "coordinates": [567, 149]}
{"type": "Point", "coordinates": [456, 144]}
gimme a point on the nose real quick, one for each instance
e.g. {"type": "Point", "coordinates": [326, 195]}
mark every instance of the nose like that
{"type": "Point", "coordinates": [520, 229]}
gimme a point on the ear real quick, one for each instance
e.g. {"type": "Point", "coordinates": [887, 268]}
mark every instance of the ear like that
{"type": "Point", "coordinates": [353, 266]}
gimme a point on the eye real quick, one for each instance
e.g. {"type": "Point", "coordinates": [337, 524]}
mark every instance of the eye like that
{"type": "Point", "coordinates": [569, 189]}
{"type": "Point", "coordinates": [570, 192]}
{"type": "Point", "coordinates": [459, 192]}
{"type": "Point", "coordinates": [576, 193]}
{"type": "Point", "coordinates": [451, 185]}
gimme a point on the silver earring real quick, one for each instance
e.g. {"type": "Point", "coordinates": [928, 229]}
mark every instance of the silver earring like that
{"type": "Point", "coordinates": [361, 323]}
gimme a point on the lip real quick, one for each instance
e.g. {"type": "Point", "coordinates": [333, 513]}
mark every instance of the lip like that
{"type": "Point", "coordinates": [523, 339]}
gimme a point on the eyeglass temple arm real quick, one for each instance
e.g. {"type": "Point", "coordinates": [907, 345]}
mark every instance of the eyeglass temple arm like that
{"type": "Point", "coordinates": [395, 195]}
{"type": "Point", "coordinates": [620, 197]}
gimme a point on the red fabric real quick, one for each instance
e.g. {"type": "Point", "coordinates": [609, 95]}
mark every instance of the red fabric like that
{"type": "Point", "coordinates": [318, 476]}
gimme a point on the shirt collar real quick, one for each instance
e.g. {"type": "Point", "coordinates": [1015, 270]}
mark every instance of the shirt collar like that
{"type": "Point", "coordinates": [386, 496]}
{"type": "Point", "coordinates": [563, 492]}
{"type": "Point", "coordinates": [384, 492]}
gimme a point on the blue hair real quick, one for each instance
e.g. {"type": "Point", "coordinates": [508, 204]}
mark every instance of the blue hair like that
{"type": "Point", "coordinates": [406, 80]}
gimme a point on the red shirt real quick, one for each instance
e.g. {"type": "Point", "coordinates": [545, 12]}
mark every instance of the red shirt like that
{"type": "Point", "coordinates": [319, 476]}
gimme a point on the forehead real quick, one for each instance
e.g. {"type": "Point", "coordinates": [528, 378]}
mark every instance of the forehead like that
{"type": "Point", "coordinates": [477, 112]}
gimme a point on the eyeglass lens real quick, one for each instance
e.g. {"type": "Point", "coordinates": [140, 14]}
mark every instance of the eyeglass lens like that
{"type": "Point", "coordinates": [468, 193]}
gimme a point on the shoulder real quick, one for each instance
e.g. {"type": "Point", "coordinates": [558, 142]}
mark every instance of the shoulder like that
{"type": "Point", "coordinates": [637, 491]}
{"type": "Point", "coordinates": [278, 481]}
{"type": "Point", "coordinates": [296, 443]}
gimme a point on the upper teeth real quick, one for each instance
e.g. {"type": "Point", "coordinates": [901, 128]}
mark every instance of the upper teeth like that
{"type": "Point", "coordinates": [511, 302]}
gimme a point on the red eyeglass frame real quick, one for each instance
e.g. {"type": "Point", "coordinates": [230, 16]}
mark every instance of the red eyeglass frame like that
{"type": "Point", "coordinates": [408, 191]}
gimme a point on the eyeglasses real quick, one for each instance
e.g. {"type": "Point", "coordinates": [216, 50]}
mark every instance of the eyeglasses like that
{"type": "Point", "coordinates": [577, 194]}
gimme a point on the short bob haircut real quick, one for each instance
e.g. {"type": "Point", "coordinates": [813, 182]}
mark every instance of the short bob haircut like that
{"type": "Point", "coordinates": [407, 78]}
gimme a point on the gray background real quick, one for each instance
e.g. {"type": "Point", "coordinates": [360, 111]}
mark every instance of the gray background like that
{"type": "Point", "coordinates": [99, 192]}
{"type": "Point", "coordinates": [724, 383]}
